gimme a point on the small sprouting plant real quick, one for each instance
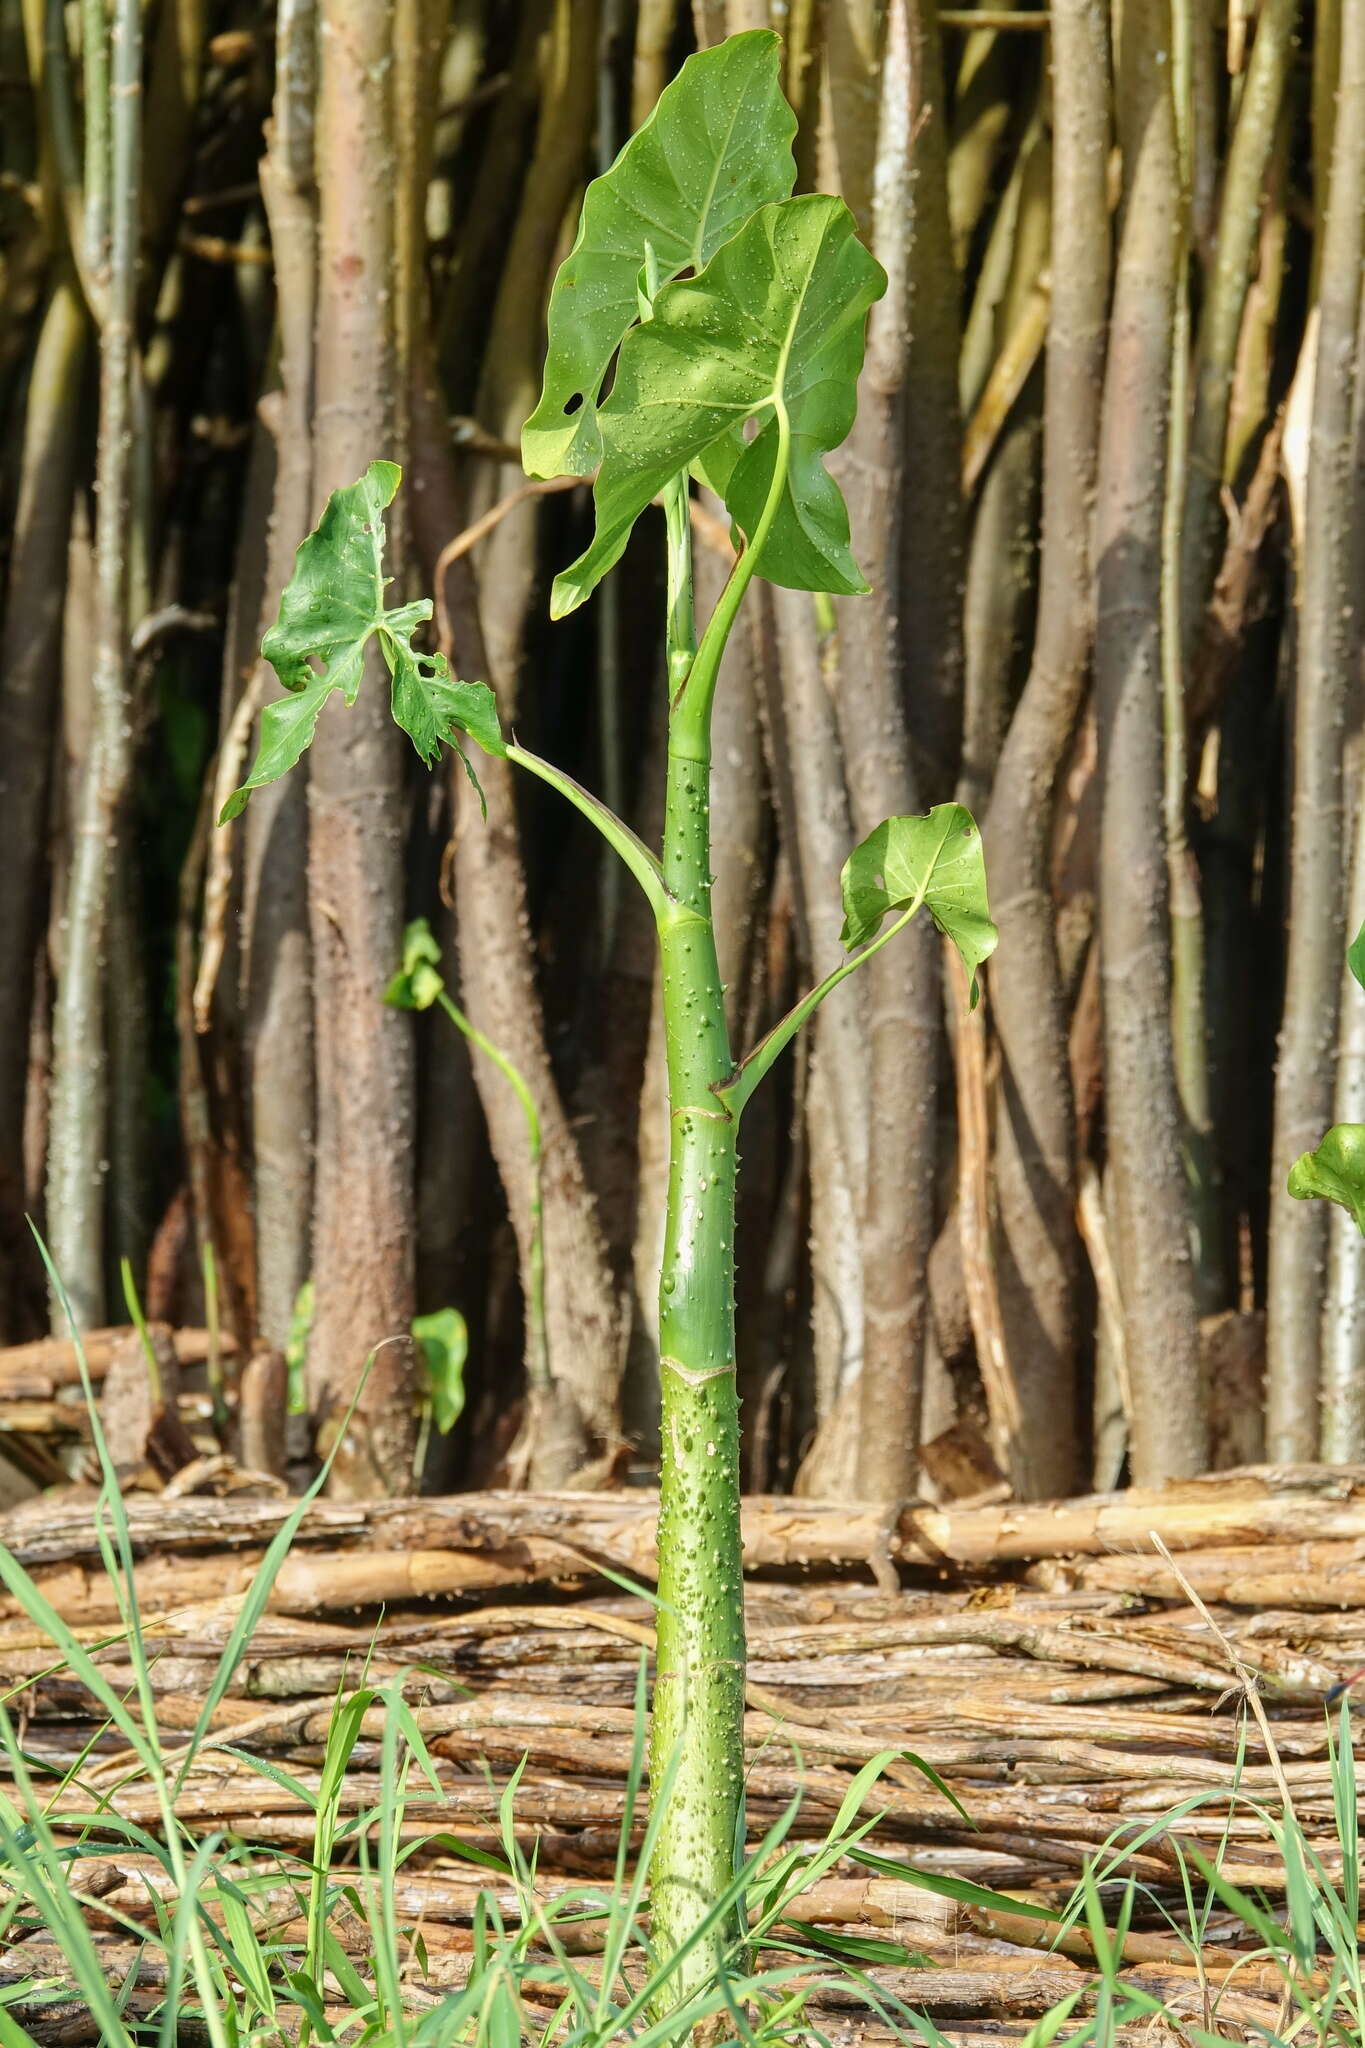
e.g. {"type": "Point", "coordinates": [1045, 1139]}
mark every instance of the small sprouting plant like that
{"type": "Point", "coordinates": [1335, 1169]}
{"type": "Point", "coordinates": [735, 316]}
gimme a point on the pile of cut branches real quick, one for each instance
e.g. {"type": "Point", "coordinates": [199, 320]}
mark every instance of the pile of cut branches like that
{"type": "Point", "coordinates": [1048, 1662]}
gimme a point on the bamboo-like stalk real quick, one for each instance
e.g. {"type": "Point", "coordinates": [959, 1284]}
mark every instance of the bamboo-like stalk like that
{"type": "Point", "coordinates": [1328, 567]}
{"type": "Point", "coordinates": [1343, 1307]}
{"type": "Point", "coordinates": [363, 1251]}
{"type": "Point", "coordinates": [1220, 317]}
{"type": "Point", "coordinates": [933, 520]}
{"type": "Point", "coordinates": [1189, 1023]}
{"type": "Point", "coordinates": [1039, 1255]}
{"type": "Point", "coordinates": [277, 953]}
{"type": "Point", "coordinates": [1144, 1123]}
{"type": "Point", "coordinates": [77, 1144]}
{"type": "Point", "coordinates": [28, 659]}
{"type": "Point", "coordinates": [903, 1007]}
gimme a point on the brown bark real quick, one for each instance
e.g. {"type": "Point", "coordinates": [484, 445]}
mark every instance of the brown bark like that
{"type": "Point", "coordinates": [816, 826]}
{"type": "Point", "coordinates": [933, 522]}
{"type": "Point", "coordinates": [1170, 1434]}
{"type": "Point", "coordinates": [78, 1137]}
{"type": "Point", "coordinates": [363, 1209]}
{"type": "Point", "coordinates": [278, 995]}
{"type": "Point", "coordinates": [1038, 1250]}
{"type": "Point", "coordinates": [902, 998]}
{"type": "Point", "coordinates": [28, 662]}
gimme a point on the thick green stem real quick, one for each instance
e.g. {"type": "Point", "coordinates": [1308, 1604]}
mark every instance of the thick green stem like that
{"type": "Point", "coordinates": [698, 1721]}
{"type": "Point", "coordinates": [698, 1731]}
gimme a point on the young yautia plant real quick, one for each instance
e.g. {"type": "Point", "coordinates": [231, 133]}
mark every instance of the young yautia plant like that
{"type": "Point", "coordinates": [1335, 1170]}
{"type": "Point", "coordinates": [735, 316]}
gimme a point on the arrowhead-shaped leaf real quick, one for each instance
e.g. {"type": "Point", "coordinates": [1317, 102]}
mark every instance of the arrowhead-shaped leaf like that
{"type": "Point", "coordinates": [716, 147]}
{"type": "Point", "coordinates": [1335, 1172]}
{"type": "Point", "coordinates": [934, 861]}
{"type": "Point", "coordinates": [772, 328]}
{"type": "Point", "coordinates": [443, 1340]}
{"type": "Point", "coordinates": [331, 606]}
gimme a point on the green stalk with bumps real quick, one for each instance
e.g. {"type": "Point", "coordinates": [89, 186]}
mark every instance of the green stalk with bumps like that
{"type": "Point", "coordinates": [735, 316]}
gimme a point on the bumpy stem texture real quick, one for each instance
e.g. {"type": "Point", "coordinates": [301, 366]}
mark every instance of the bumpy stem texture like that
{"type": "Point", "coordinates": [697, 1732]}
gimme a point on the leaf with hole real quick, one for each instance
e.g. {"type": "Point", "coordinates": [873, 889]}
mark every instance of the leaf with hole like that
{"type": "Point", "coordinates": [772, 333]}
{"type": "Point", "coordinates": [1335, 1172]}
{"type": "Point", "coordinates": [717, 146]}
{"type": "Point", "coordinates": [935, 861]}
{"type": "Point", "coordinates": [331, 608]}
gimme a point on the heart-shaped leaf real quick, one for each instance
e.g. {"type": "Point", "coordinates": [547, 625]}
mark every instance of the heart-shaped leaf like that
{"type": "Point", "coordinates": [771, 331]}
{"type": "Point", "coordinates": [717, 146]}
{"type": "Point", "coordinates": [331, 606]}
{"type": "Point", "coordinates": [935, 862]}
{"type": "Point", "coordinates": [1335, 1172]}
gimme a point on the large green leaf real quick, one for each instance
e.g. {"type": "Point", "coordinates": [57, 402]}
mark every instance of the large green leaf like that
{"type": "Point", "coordinates": [1335, 1172]}
{"type": "Point", "coordinates": [331, 606]}
{"type": "Point", "coordinates": [716, 147]}
{"type": "Point", "coordinates": [771, 331]}
{"type": "Point", "coordinates": [935, 862]}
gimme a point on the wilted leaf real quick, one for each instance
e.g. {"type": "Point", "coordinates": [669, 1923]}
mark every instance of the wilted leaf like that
{"type": "Point", "coordinates": [1336, 1171]}
{"type": "Point", "coordinates": [935, 861]}
{"type": "Point", "coordinates": [773, 328]}
{"type": "Point", "coordinates": [716, 147]}
{"type": "Point", "coordinates": [331, 606]}
{"type": "Point", "coordinates": [443, 1340]}
{"type": "Point", "coordinates": [419, 980]}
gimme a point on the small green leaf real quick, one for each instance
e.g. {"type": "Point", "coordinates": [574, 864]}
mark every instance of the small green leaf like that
{"type": "Point", "coordinates": [717, 146]}
{"type": "Point", "coordinates": [443, 1340]}
{"type": "Point", "coordinates": [419, 980]}
{"type": "Point", "coordinates": [1335, 1172]}
{"type": "Point", "coordinates": [771, 330]}
{"type": "Point", "coordinates": [332, 604]}
{"type": "Point", "coordinates": [296, 1349]}
{"type": "Point", "coordinates": [935, 861]}
{"type": "Point", "coordinates": [1355, 956]}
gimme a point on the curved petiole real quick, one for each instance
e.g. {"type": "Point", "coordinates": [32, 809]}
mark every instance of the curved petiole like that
{"type": "Point", "coordinates": [754, 1065]}
{"type": "Point", "coordinates": [632, 850]}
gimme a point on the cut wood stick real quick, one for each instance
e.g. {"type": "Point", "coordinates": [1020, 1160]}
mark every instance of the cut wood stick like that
{"type": "Point", "coordinates": [35, 1371]}
{"type": "Point", "coordinates": [568, 1536]}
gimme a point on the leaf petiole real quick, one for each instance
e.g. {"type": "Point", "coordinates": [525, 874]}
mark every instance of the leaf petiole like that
{"type": "Point", "coordinates": [769, 1049]}
{"type": "Point", "coordinates": [632, 850]}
